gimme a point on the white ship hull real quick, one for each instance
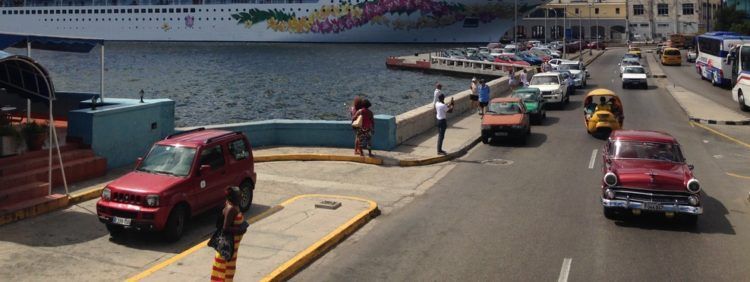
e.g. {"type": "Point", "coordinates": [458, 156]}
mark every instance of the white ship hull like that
{"type": "Point", "coordinates": [382, 21]}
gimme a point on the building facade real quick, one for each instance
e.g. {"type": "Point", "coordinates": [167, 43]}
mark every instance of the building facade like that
{"type": "Point", "coordinates": [585, 19]}
{"type": "Point", "coordinates": [658, 19]}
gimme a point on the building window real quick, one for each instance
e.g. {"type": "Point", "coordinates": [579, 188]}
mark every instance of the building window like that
{"type": "Point", "coordinates": [596, 11]}
{"type": "Point", "coordinates": [662, 9]}
{"type": "Point", "coordinates": [687, 9]}
{"type": "Point", "coordinates": [576, 11]}
{"type": "Point", "coordinates": [617, 11]}
{"type": "Point", "coordinates": [637, 10]}
{"type": "Point", "coordinates": [644, 25]}
{"type": "Point", "coordinates": [663, 25]}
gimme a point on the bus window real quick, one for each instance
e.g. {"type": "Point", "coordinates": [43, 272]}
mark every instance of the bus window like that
{"type": "Point", "coordinates": [745, 58]}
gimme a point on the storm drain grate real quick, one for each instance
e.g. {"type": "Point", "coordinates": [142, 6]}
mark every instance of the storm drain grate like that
{"type": "Point", "coordinates": [331, 205]}
{"type": "Point", "coordinates": [496, 162]}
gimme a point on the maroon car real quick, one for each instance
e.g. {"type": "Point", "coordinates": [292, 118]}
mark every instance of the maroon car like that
{"type": "Point", "coordinates": [645, 171]}
{"type": "Point", "coordinates": [182, 176]}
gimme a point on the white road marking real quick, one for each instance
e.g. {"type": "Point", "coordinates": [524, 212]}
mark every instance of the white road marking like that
{"type": "Point", "coordinates": [565, 270]}
{"type": "Point", "coordinates": [593, 158]}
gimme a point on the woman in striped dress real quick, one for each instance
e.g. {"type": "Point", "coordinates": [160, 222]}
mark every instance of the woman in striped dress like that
{"type": "Point", "coordinates": [224, 270]}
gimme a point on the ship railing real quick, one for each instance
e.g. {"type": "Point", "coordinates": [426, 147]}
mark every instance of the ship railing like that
{"type": "Point", "coordinates": [504, 68]}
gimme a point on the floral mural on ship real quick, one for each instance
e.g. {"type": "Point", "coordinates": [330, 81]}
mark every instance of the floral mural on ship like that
{"type": "Point", "coordinates": [340, 18]}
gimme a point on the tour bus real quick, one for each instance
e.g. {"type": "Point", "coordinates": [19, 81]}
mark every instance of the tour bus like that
{"type": "Point", "coordinates": [739, 58]}
{"type": "Point", "coordinates": [713, 48]}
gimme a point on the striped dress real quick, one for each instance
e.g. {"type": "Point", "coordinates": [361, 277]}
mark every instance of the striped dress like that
{"type": "Point", "coordinates": [224, 270]}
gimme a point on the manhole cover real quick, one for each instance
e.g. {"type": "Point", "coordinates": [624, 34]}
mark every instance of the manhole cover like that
{"type": "Point", "coordinates": [496, 162]}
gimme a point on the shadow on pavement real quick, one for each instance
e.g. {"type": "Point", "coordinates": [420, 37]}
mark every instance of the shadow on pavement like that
{"type": "Point", "coordinates": [534, 140]}
{"type": "Point", "coordinates": [713, 220]}
{"type": "Point", "coordinates": [199, 228]}
{"type": "Point", "coordinates": [66, 228]}
{"type": "Point", "coordinates": [572, 105]}
{"type": "Point", "coordinates": [547, 121]}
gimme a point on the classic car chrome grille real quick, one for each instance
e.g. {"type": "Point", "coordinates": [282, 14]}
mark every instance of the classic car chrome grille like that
{"type": "Point", "coordinates": [660, 197]}
{"type": "Point", "coordinates": [126, 198]}
{"type": "Point", "coordinates": [546, 93]}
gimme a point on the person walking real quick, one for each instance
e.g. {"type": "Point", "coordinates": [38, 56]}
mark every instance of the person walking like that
{"type": "Point", "coordinates": [442, 124]}
{"type": "Point", "coordinates": [484, 96]}
{"type": "Point", "coordinates": [232, 222]}
{"type": "Point", "coordinates": [364, 132]}
{"type": "Point", "coordinates": [474, 96]}
{"type": "Point", "coordinates": [438, 92]}
{"type": "Point", "coordinates": [546, 67]}
{"type": "Point", "coordinates": [524, 79]}
{"type": "Point", "coordinates": [356, 106]}
{"type": "Point", "coordinates": [512, 81]}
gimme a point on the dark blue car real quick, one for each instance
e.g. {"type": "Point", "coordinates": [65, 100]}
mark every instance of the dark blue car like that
{"type": "Point", "coordinates": [531, 59]}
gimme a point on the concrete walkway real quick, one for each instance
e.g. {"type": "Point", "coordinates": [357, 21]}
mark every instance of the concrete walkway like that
{"type": "Point", "coordinates": [698, 108]}
{"type": "Point", "coordinates": [273, 249]}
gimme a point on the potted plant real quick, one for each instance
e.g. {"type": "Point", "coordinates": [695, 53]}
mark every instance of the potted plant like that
{"type": "Point", "coordinates": [9, 139]}
{"type": "Point", "coordinates": [34, 135]}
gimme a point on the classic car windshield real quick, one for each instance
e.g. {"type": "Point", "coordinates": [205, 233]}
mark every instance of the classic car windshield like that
{"type": "Point", "coordinates": [172, 160]}
{"type": "Point", "coordinates": [570, 67]}
{"type": "Point", "coordinates": [505, 108]}
{"type": "Point", "coordinates": [544, 80]}
{"type": "Point", "coordinates": [634, 70]}
{"type": "Point", "coordinates": [647, 150]}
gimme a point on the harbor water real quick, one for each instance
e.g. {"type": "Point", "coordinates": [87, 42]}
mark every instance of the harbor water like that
{"type": "Point", "coordinates": [214, 83]}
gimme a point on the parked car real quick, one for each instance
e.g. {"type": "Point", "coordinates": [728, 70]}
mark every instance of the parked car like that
{"type": "Point", "coordinates": [549, 52]}
{"type": "Point", "coordinates": [533, 101]}
{"type": "Point", "coordinates": [554, 63]}
{"type": "Point", "coordinates": [645, 171]}
{"type": "Point", "coordinates": [529, 58]}
{"type": "Point", "coordinates": [635, 76]}
{"type": "Point", "coordinates": [671, 56]}
{"type": "Point", "coordinates": [540, 54]}
{"type": "Point", "coordinates": [484, 50]}
{"type": "Point", "coordinates": [692, 55]}
{"type": "Point", "coordinates": [510, 48]}
{"type": "Point", "coordinates": [182, 176]}
{"type": "Point", "coordinates": [506, 118]}
{"type": "Point", "coordinates": [577, 70]}
{"type": "Point", "coordinates": [471, 51]}
{"type": "Point", "coordinates": [596, 45]}
{"type": "Point", "coordinates": [553, 86]}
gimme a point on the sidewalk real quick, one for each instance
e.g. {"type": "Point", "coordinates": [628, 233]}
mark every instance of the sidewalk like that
{"type": "Point", "coordinates": [278, 246]}
{"type": "Point", "coordinates": [698, 108]}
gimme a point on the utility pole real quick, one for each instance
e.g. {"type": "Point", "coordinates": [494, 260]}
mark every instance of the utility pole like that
{"type": "Point", "coordinates": [565, 31]}
{"type": "Point", "coordinates": [515, 28]}
{"type": "Point", "coordinates": [546, 14]}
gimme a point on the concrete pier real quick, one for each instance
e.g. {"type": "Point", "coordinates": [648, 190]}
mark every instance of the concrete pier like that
{"type": "Point", "coordinates": [432, 62]}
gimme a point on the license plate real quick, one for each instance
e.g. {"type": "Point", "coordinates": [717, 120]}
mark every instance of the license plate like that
{"type": "Point", "coordinates": [121, 221]}
{"type": "Point", "coordinates": [652, 206]}
{"type": "Point", "coordinates": [501, 133]}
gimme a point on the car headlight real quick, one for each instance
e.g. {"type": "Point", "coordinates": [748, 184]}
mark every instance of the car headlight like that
{"type": "Point", "coordinates": [610, 179]}
{"type": "Point", "coordinates": [152, 200]}
{"type": "Point", "coordinates": [106, 194]}
{"type": "Point", "coordinates": [693, 186]}
{"type": "Point", "coordinates": [609, 193]}
{"type": "Point", "coordinates": [557, 92]}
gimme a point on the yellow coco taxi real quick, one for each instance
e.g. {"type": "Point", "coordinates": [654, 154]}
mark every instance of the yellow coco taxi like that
{"type": "Point", "coordinates": [671, 56]}
{"type": "Point", "coordinates": [602, 112]}
{"type": "Point", "coordinates": [635, 51]}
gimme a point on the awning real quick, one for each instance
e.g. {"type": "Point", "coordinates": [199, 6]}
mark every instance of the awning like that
{"type": "Point", "coordinates": [24, 76]}
{"type": "Point", "coordinates": [65, 44]}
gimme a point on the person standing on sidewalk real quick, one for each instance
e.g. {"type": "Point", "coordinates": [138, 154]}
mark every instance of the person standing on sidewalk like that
{"type": "Point", "coordinates": [438, 92]}
{"type": "Point", "coordinates": [442, 124]}
{"type": "Point", "coordinates": [356, 106]}
{"type": "Point", "coordinates": [524, 79]}
{"type": "Point", "coordinates": [474, 96]}
{"type": "Point", "coordinates": [484, 96]}
{"type": "Point", "coordinates": [364, 132]}
{"type": "Point", "coordinates": [231, 222]}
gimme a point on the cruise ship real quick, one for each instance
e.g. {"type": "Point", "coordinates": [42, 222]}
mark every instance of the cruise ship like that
{"type": "Point", "coordinates": [351, 21]}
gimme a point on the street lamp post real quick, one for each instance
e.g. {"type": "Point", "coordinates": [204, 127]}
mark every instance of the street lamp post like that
{"type": "Point", "coordinates": [565, 29]}
{"type": "Point", "coordinates": [515, 26]}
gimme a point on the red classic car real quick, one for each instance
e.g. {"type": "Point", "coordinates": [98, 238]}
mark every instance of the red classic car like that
{"type": "Point", "coordinates": [645, 171]}
{"type": "Point", "coordinates": [506, 118]}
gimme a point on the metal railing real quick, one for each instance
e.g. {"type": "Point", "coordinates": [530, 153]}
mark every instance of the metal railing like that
{"type": "Point", "coordinates": [504, 68]}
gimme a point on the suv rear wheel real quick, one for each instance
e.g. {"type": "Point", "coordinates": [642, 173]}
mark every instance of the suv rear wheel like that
{"type": "Point", "coordinates": [741, 100]}
{"type": "Point", "coordinates": [246, 195]}
{"type": "Point", "coordinates": [175, 224]}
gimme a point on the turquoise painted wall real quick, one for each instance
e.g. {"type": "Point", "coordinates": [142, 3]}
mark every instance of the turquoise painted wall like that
{"type": "Point", "coordinates": [279, 132]}
{"type": "Point", "coordinates": [124, 129]}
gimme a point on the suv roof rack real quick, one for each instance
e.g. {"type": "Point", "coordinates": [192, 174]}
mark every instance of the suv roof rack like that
{"type": "Point", "coordinates": [184, 132]}
{"type": "Point", "coordinates": [222, 136]}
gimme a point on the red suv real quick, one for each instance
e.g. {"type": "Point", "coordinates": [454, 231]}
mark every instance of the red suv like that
{"type": "Point", "coordinates": [182, 176]}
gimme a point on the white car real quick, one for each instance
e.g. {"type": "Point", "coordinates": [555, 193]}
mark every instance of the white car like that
{"type": "Point", "coordinates": [577, 69]}
{"type": "Point", "coordinates": [635, 75]}
{"type": "Point", "coordinates": [692, 55]}
{"type": "Point", "coordinates": [553, 86]}
{"type": "Point", "coordinates": [550, 52]}
{"type": "Point", "coordinates": [555, 63]}
{"type": "Point", "coordinates": [626, 62]}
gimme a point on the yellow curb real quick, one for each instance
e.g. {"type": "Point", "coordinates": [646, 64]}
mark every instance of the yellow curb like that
{"type": "Point", "coordinates": [83, 196]}
{"type": "Point", "coordinates": [35, 210]}
{"type": "Point", "coordinates": [198, 246]}
{"type": "Point", "coordinates": [737, 175]}
{"type": "Point", "coordinates": [714, 131]}
{"type": "Point", "coordinates": [318, 157]}
{"type": "Point", "coordinates": [421, 162]}
{"type": "Point", "coordinates": [286, 270]}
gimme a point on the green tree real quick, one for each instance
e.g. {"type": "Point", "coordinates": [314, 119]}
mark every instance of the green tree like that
{"type": "Point", "coordinates": [727, 17]}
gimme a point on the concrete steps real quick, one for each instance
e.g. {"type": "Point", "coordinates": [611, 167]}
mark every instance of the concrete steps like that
{"type": "Point", "coordinates": [75, 170]}
{"type": "Point", "coordinates": [25, 192]}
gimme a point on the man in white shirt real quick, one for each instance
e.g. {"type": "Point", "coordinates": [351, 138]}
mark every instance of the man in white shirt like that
{"type": "Point", "coordinates": [523, 79]}
{"type": "Point", "coordinates": [442, 110]}
{"type": "Point", "coordinates": [438, 92]}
